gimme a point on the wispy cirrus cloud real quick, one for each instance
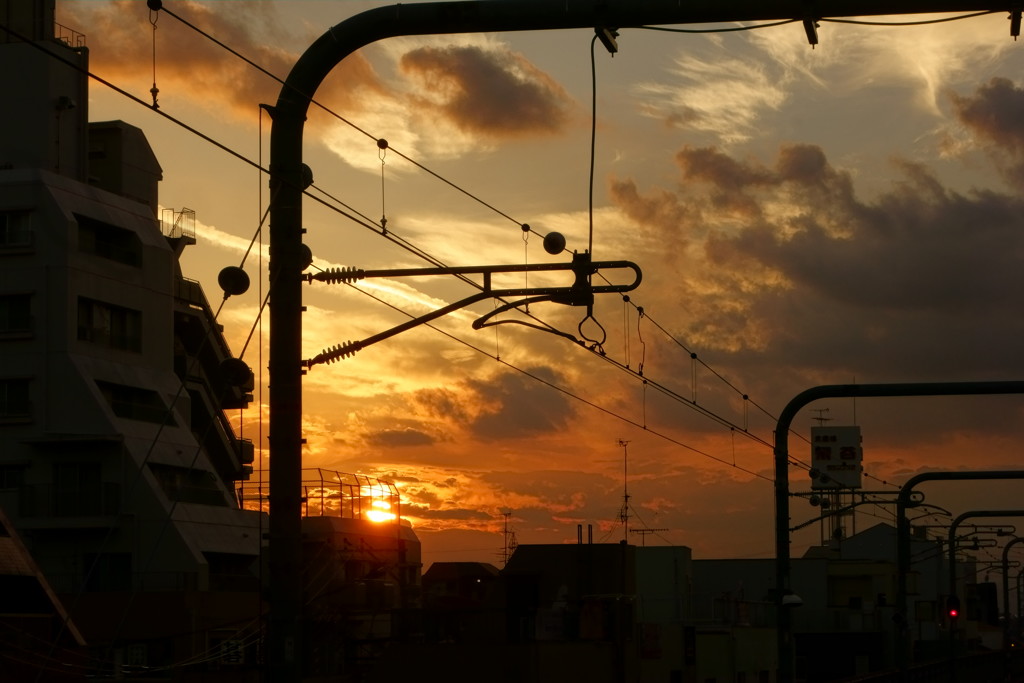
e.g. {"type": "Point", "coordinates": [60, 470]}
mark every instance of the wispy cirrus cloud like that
{"type": "Point", "coordinates": [720, 96]}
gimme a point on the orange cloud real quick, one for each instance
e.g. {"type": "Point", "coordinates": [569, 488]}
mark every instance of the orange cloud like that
{"type": "Point", "coordinates": [191, 67]}
{"type": "Point", "coordinates": [492, 93]}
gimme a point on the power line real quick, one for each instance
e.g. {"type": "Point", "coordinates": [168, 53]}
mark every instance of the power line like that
{"type": "Point", "coordinates": [564, 390]}
{"type": "Point", "coordinates": [388, 235]}
{"type": "Point", "coordinates": [415, 250]}
{"type": "Point", "coordinates": [367, 223]}
{"type": "Point", "coordinates": [344, 120]}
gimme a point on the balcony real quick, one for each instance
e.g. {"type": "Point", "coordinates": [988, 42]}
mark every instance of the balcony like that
{"type": "Point", "coordinates": [68, 507]}
{"type": "Point", "coordinates": [69, 37]}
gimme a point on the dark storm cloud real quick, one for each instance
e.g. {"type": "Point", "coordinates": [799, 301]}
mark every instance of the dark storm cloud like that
{"type": "Point", "coordinates": [445, 403]}
{"type": "Point", "coordinates": [397, 438]}
{"type": "Point", "coordinates": [918, 248]}
{"type": "Point", "coordinates": [789, 268]}
{"type": "Point", "coordinates": [658, 207]}
{"type": "Point", "coordinates": [734, 185]}
{"type": "Point", "coordinates": [491, 93]}
{"type": "Point", "coordinates": [517, 406]}
{"type": "Point", "coordinates": [994, 113]}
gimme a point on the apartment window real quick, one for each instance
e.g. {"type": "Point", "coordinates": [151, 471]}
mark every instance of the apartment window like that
{"type": "Point", "coordinates": [12, 476]}
{"type": "Point", "coordinates": [108, 241]}
{"type": "Point", "coordinates": [135, 403]}
{"type": "Point", "coordinates": [15, 313]}
{"type": "Point", "coordinates": [109, 325]}
{"type": "Point", "coordinates": [15, 229]}
{"type": "Point", "coordinates": [77, 489]}
{"type": "Point", "coordinates": [14, 398]}
{"type": "Point", "coordinates": [186, 485]}
{"type": "Point", "coordinates": [107, 571]}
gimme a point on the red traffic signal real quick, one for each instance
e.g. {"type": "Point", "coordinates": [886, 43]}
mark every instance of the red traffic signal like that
{"type": "Point", "coordinates": [953, 607]}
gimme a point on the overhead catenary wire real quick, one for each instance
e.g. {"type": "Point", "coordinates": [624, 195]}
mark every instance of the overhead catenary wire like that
{"type": "Point", "coordinates": [341, 118]}
{"type": "Point", "coordinates": [733, 464]}
{"type": "Point", "coordinates": [677, 30]}
{"type": "Point", "coordinates": [369, 224]}
{"type": "Point", "coordinates": [460, 188]}
{"type": "Point", "coordinates": [754, 27]}
{"type": "Point", "coordinates": [563, 390]}
{"type": "Point", "coordinates": [366, 223]}
{"type": "Point", "coordinates": [919, 22]}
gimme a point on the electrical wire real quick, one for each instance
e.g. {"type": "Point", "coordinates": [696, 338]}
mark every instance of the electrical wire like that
{"type": "Point", "coordinates": [563, 390]}
{"type": "Point", "coordinates": [921, 22]}
{"type": "Point", "coordinates": [731, 29]}
{"type": "Point", "coordinates": [366, 223]}
{"type": "Point", "coordinates": [369, 223]}
{"type": "Point", "coordinates": [344, 120]}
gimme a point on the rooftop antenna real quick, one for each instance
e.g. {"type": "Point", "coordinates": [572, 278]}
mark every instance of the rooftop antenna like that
{"type": "Point", "coordinates": [624, 512]}
{"type": "Point", "coordinates": [643, 534]}
{"type": "Point", "coordinates": [510, 540]}
{"type": "Point", "coordinates": [821, 416]}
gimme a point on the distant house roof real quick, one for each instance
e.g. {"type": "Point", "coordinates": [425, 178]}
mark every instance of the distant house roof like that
{"type": "Point", "coordinates": [455, 571]}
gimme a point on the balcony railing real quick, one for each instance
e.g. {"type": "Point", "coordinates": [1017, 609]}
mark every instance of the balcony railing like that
{"type": "Point", "coordinates": [178, 223]}
{"type": "Point", "coordinates": [69, 37]}
{"type": "Point", "coordinates": [327, 493]}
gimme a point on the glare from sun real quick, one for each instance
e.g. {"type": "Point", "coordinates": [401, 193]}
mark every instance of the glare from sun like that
{"type": "Point", "coordinates": [381, 511]}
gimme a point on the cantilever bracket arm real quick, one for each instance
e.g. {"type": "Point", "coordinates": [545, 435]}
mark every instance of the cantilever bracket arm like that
{"type": "Point", "coordinates": [581, 293]}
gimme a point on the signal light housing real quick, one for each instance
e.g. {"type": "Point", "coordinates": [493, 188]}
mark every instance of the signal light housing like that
{"type": "Point", "coordinates": [953, 607]}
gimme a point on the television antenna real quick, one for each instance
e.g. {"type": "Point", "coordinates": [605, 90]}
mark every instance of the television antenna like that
{"type": "Point", "coordinates": [643, 534]}
{"type": "Point", "coordinates": [624, 510]}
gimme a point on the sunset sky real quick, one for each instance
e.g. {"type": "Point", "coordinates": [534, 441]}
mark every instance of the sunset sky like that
{"type": "Point", "coordinates": [847, 213]}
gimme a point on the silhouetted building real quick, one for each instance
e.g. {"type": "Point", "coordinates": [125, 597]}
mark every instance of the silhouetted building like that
{"type": "Point", "coordinates": [118, 465]}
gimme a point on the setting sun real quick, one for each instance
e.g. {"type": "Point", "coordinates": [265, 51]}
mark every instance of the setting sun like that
{"type": "Point", "coordinates": [380, 512]}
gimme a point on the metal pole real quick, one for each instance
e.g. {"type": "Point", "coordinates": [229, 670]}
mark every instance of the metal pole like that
{"type": "Point", "coordinates": [784, 636]}
{"type": "Point", "coordinates": [952, 571]}
{"type": "Point", "coordinates": [903, 501]}
{"type": "Point", "coordinates": [1020, 601]}
{"type": "Point", "coordinates": [289, 178]}
{"type": "Point", "coordinates": [1006, 595]}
